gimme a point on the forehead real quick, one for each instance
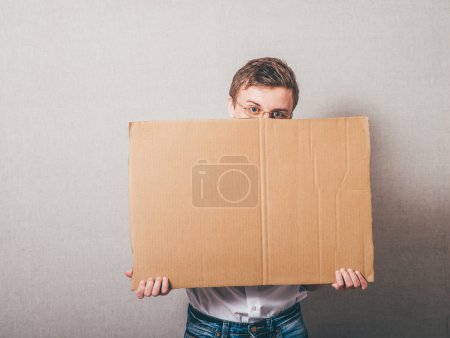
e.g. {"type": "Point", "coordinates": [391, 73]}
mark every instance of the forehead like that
{"type": "Point", "coordinates": [268, 97]}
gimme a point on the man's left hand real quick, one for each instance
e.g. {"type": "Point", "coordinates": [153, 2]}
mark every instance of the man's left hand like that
{"type": "Point", "coordinates": [349, 279]}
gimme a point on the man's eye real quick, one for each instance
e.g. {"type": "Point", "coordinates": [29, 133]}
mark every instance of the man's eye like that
{"type": "Point", "coordinates": [254, 109]}
{"type": "Point", "coordinates": [278, 114]}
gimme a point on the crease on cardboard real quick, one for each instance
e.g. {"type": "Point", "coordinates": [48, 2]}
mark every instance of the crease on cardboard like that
{"type": "Point", "coordinates": [312, 156]}
{"type": "Point", "coordinates": [203, 269]}
{"type": "Point", "coordinates": [263, 198]}
{"type": "Point", "coordinates": [338, 195]}
{"type": "Point", "coordinates": [317, 188]}
{"type": "Point", "coordinates": [319, 228]}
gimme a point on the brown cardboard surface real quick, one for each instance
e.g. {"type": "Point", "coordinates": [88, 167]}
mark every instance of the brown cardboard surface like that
{"type": "Point", "coordinates": [250, 201]}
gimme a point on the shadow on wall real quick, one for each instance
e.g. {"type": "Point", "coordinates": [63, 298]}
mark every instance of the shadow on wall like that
{"type": "Point", "coordinates": [411, 219]}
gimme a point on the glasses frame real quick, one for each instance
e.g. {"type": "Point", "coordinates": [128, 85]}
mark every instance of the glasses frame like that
{"type": "Point", "coordinates": [250, 115]}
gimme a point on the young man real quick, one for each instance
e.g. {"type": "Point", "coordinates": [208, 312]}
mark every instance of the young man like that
{"type": "Point", "coordinates": [262, 88]}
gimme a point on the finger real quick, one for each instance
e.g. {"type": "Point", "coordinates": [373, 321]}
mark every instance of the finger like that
{"type": "Point", "coordinates": [354, 278]}
{"type": "Point", "coordinates": [157, 287]}
{"type": "Point", "coordinates": [339, 280]}
{"type": "Point", "coordinates": [149, 287]}
{"type": "Point", "coordinates": [129, 273]}
{"type": "Point", "coordinates": [347, 279]}
{"type": "Point", "coordinates": [364, 284]}
{"type": "Point", "coordinates": [336, 286]}
{"type": "Point", "coordinates": [165, 286]}
{"type": "Point", "coordinates": [140, 290]}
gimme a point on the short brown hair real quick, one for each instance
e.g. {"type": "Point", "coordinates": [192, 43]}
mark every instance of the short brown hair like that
{"type": "Point", "coordinates": [266, 72]}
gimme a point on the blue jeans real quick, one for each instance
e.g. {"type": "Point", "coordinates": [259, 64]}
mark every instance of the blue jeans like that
{"type": "Point", "coordinates": [287, 323]}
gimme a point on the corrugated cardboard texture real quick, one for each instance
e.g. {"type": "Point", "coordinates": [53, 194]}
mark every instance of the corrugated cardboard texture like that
{"type": "Point", "coordinates": [250, 201]}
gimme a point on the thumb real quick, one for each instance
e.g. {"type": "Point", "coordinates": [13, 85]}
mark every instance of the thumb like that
{"type": "Point", "coordinates": [129, 273]}
{"type": "Point", "coordinates": [335, 286]}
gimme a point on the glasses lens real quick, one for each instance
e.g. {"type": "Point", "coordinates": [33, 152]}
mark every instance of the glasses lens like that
{"type": "Point", "coordinates": [253, 111]}
{"type": "Point", "coordinates": [279, 115]}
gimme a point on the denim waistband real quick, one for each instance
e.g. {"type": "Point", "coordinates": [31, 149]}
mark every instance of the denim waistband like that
{"type": "Point", "coordinates": [277, 319]}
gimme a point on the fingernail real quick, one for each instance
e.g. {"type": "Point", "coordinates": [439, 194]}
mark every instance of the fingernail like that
{"type": "Point", "coordinates": [142, 282]}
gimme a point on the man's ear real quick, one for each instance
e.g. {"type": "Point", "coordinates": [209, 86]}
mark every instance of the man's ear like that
{"type": "Point", "coordinates": [231, 107]}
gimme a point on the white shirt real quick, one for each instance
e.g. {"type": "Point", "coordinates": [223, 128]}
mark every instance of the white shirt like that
{"type": "Point", "coordinates": [245, 304]}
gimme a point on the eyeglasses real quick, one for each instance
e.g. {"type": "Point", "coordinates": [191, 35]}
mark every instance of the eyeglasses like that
{"type": "Point", "coordinates": [253, 111]}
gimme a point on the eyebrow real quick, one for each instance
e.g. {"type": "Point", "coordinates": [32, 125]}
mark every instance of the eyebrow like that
{"type": "Point", "coordinates": [276, 109]}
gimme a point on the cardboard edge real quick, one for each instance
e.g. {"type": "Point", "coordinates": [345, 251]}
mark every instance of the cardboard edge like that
{"type": "Point", "coordinates": [371, 249]}
{"type": "Point", "coordinates": [261, 126]}
{"type": "Point", "coordinates": [263, 199]}
{"type": "Point", "coordinates": [132, 280]}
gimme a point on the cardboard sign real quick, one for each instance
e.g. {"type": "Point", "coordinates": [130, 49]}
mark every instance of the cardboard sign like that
{"type": "Point", "coordinates": [250, 201]}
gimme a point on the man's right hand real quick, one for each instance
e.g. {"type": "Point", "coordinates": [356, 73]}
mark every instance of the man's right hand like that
{"type": "Point", "coordinates": [153, 287]}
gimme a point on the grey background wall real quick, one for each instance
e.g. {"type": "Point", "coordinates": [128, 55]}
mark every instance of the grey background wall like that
{"type": "Point", "coordinates": [73, 73]}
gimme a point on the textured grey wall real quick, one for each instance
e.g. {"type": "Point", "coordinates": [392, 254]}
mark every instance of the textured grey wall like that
{"type": "Point", "coordinates": [73, 73]}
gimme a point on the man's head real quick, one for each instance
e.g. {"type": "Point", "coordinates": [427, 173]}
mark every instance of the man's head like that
{"type": "Point", "coordinates": [263, 87]}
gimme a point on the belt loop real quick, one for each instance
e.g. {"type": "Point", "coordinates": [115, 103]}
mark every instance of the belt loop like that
{"type": "Point", "coordinates": [269, 324]}
{"type": "Point", "coordinates": [225, 329]}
